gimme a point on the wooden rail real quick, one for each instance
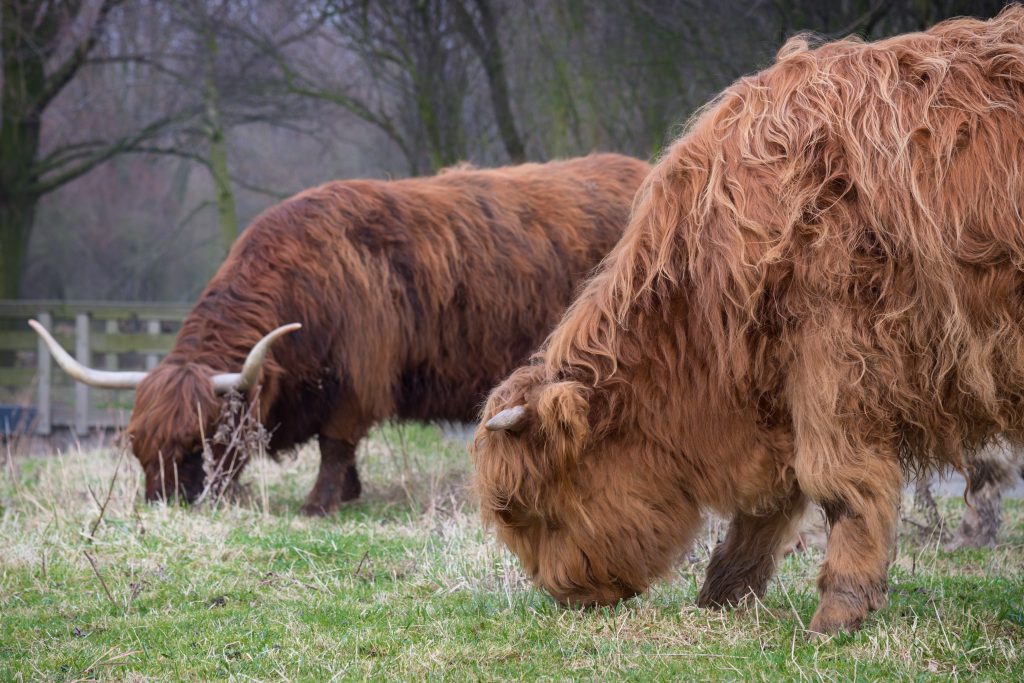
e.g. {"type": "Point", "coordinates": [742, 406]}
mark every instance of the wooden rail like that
{"type": "Point", "coordinates": [112, 335]}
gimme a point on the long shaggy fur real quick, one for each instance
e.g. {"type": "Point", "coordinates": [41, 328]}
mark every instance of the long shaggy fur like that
{"type": "Point", "coordinates": [415, 297]}
{"type": "Point", "coordinates": [820, 287]}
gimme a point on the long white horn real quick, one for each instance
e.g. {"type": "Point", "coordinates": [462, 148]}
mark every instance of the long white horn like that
{"type": "Point", "coordinates": [104, 379]}
{"type": "Point", "coordinates": [509, 420]}
{"type": "Point", "coordinates": [246, 379]}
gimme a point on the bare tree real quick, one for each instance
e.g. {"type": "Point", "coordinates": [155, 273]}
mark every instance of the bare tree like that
{"type": "Point", "coordinates": [219, 62]}
{"type": "Point", "coordinates": [193, 57]}
{"type": "Point", "coordinates": [213, 128]}
{"type": "Point", "coordinates": [44, 46]}
{"type": "Point", "coordinates": [478, 22]}
{"type": "Point", "coordinates": [403, 67]}
{"type": "Point", "coordinates": [415, 77]}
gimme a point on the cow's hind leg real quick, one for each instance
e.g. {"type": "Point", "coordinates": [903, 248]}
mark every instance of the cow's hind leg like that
{"type": "Point", "coordinates": [337, 481]}
{"type": "Point", "coordinates": [743, 564]}
{"type": "Point", "coordinates": [979, 526]}
{"type": "Point", "coordinates": [861, 502]}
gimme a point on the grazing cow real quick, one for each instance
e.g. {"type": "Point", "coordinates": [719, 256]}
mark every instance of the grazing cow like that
{"type": "Point", "coordinates": [414, 298]}
{"type": "Point", "coordinates": [821, 287]}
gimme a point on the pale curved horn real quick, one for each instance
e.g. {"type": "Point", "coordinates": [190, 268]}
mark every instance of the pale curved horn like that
{"type": "Point", "coordinates": [103, 379]}
{"type": "Point", "coordinates": [246, 379]}
{"type": "Point", "coordinates": [509, 420]}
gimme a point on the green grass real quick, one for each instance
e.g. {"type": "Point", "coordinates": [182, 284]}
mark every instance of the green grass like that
{"type": "Point", "coordinates": [405, 584]}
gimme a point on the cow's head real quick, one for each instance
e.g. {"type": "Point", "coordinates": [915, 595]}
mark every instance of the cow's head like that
{"type": "Point", "coordinates": [177, 405]}
{"type": "Point", "coordinates": [590, 506]}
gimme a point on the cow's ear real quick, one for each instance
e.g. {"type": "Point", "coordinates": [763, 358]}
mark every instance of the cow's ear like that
{"type": "Point", "coordinates": [563, 410]}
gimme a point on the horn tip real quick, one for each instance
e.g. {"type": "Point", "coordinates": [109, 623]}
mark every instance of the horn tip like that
{"type": "Point", "coordinates": [506, 420]}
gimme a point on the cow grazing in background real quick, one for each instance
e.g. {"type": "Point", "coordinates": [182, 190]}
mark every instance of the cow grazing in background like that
{"type": "Point", "coordinates": [414, 298]}
{"type": "Point", "coordinates": [821, 287]}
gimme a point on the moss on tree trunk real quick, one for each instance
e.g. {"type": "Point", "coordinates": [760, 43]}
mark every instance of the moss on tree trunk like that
{"type": "Point", "coordinates": [20, 130]}
{"type": "Point", "coordinates": [227, 216]}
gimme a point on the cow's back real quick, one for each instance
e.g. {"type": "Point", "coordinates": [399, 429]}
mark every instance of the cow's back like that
{"type": "Point", "coordinates": [499, 255]}
{"type": "Point", "coordinates": [418, 295]}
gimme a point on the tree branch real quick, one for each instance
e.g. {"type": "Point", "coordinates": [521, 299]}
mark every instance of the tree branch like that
{"type": "Point", "coordinates": [63, 74]}
{"type": "Point", "coordinates": [261, 190]}
{"type": "Point", "coordinates": [295, 84]}
{"type": "Point", "coordinates": [125, 144]}
{"type": "Point", "coordinates": [168, 151]}
{"type": "Point", "coordinates": [144, 60]}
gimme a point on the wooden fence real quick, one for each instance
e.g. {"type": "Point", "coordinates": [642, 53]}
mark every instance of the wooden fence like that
{"type": "Point", "coordinates": [110, 335]}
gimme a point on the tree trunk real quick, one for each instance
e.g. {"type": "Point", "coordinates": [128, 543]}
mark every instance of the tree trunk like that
{"type": "Point", "coordinates": [494, 67]}
{"type": "Point", "coordinates": [486, 42]}
{"type": "Point", "coordinates": [442, 151]}
{"type": "Point", "coordinates": [20, 132]}
{"type": "Point", "coordinates": [227, 217]}
{"type": "Point", "coordinates": [16, 216]}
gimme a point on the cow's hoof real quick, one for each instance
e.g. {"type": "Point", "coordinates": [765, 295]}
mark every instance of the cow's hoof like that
{"type": "Point", "coordinates": [963, 542]}
{"type": "Point", "coordinates": [832, 618]}
{"type": "Point", "coordinates": [317, 510]}
{"type": "Point", "coordinates": [320, 505]}
{"type": "Point", "coordinates": [722, 596]}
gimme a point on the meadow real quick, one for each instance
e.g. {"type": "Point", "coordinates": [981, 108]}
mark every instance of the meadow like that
{"type": "Point", "coordinates": [96, 584]}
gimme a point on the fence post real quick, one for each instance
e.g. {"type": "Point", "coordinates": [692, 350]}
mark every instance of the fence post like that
{"type": "Point", "coordinates": [111, 358]}
{"type": "Point", "coordinates": [43, 365]}
{"type": "Point", "coordinates": [81, 390]}
{"type": "Point", "coordinates": [152, 327]}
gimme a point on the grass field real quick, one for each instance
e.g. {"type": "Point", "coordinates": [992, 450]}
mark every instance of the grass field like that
{"type": "Point", "coordinates": [405, 584]}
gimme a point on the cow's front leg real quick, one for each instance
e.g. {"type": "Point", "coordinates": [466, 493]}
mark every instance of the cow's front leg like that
{"type": "Point", "coordinates": [861, 502]}
{"type": "Point", "coordinates": [337, 481]}
{"type": "Point", "coordinates": [743, 564]}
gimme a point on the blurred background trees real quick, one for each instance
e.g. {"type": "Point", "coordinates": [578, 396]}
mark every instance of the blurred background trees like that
{"type": "Point", "coordinates": [138, 136]}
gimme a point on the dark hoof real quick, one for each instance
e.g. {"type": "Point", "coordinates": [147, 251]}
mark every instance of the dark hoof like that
{"type": "Point", "coordinates": [318, 510]}
{"type": "Point", "coordinates": [724, 597]}
{"type": "Point", "coordinates": [321, 504]}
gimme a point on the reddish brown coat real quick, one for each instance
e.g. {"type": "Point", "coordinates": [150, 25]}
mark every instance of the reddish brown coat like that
{"type": "Point", "coordinates": [415, 297]}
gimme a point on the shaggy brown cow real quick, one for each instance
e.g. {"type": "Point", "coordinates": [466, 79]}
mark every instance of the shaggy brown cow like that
{"type": "Point", "coordinates": [414, 296]}
{"type": "Point", "coordinates": [820, 288]}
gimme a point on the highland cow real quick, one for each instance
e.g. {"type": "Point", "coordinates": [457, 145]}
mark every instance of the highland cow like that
{"type": "Point", "coordinates": [821, 288]}
{"type": "Point", "coordinates": [414, 298]}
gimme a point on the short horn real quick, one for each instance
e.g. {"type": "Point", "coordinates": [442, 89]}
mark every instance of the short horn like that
{"type": "Point", "coordinates": [103, 379]}
{"type": "Point", "coordinates": [509, 420]}
{"type": "Point", "coordinates": [250, 374]}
